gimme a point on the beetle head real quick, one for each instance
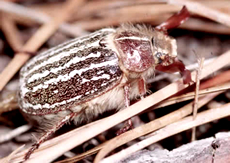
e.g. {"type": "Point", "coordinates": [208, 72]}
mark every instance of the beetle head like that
{"type": "Point", "coordinates": [164, 48]}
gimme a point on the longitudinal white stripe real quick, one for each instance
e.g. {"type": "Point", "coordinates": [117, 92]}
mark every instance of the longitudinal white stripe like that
{"type": "Point", "coordinates": [68, 44]}
{"type": "Point", "coordinates": [39, 106]}
{"type": "Point", "coordinates": [67, 76]}
{"type": "Point", "coordinates": [55, 70]}
{"type": "Point", "coordinates": [60, 56]}
{"type": "Point", "coordinates": [133, 38]}
{"type": "Point", "coordinates": [104, 76]}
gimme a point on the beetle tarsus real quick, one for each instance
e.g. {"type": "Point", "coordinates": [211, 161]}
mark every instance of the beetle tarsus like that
{"type": "Point", "coordinates": [127, 126]}
{"type": "Point", "coordinates": [186, 75]}
{"type": "Point", "coordinates": [31, 150]}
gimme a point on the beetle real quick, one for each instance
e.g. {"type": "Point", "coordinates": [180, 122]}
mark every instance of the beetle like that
{"type": "Point", "coordinates": [86, 76]}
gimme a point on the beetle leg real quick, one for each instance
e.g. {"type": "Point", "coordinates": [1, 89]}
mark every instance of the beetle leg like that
{"type": "Point", "coordinates": [174, 21]}
{"type": "Point", "coordinates": [49, 133]}
{"type": "Point", "coordinates": [128, 124]}
{"type": "Point", "coordinates": [177, 66]}
{"type": "Point", "coordinates": [142, 87]}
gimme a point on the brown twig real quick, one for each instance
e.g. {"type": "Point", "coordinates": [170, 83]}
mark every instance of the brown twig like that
{"type": "Point", "coordinates": [191, 95]}
{"type": "Point", "coordinates": [218, 79]}
{"type": "Point", "coordinates": [83, 155]}
{"type": "Point", "coordinates": [150, 9]}
{"type": "Point", "coordinates": [172, 129]}
{"type": "Point", "coordinates": [204, 11]}
{"type": "Point", "coordinates": [94, 24]}
{"type": "Point", "coordinates": [37, 40]}
{"type": "Point", "coordinates": [153, 14]}
{"type": "Point", "coordinates": [26, 16]}
{"type": "Point", "coordinates": [11, 32]}
{"type": "Point", "coordinates": [195, 106]}
{"type": "Point", "coordinates": [10, 156]}
{"type": "Point", "coordinates": [205, 26]}
{"type": "Point", "coordinates": [94, 7]}
{"type": "Point", "coordinates": [15, 132]}
{"type": "Point", "coordinates": [9, 103]}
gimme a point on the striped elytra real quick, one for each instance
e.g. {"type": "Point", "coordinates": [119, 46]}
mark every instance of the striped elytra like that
{"type": "Point", "coordinates": [84, 70]}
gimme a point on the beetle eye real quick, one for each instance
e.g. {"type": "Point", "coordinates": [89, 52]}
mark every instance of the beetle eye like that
{"type": "Point", "coordinates": [158, 55]}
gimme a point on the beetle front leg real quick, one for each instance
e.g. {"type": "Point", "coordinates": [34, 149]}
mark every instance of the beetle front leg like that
{"type": "Point", "coordinates": [177, 66]}
{"type": "Point", "coordinates": [174, 21]}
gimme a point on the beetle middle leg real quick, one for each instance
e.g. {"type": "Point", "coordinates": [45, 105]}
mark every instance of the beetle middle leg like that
{"type": "Point", "coordinates": [142, 90]}
{"type": "Point", "coordinates": [128, 124]}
